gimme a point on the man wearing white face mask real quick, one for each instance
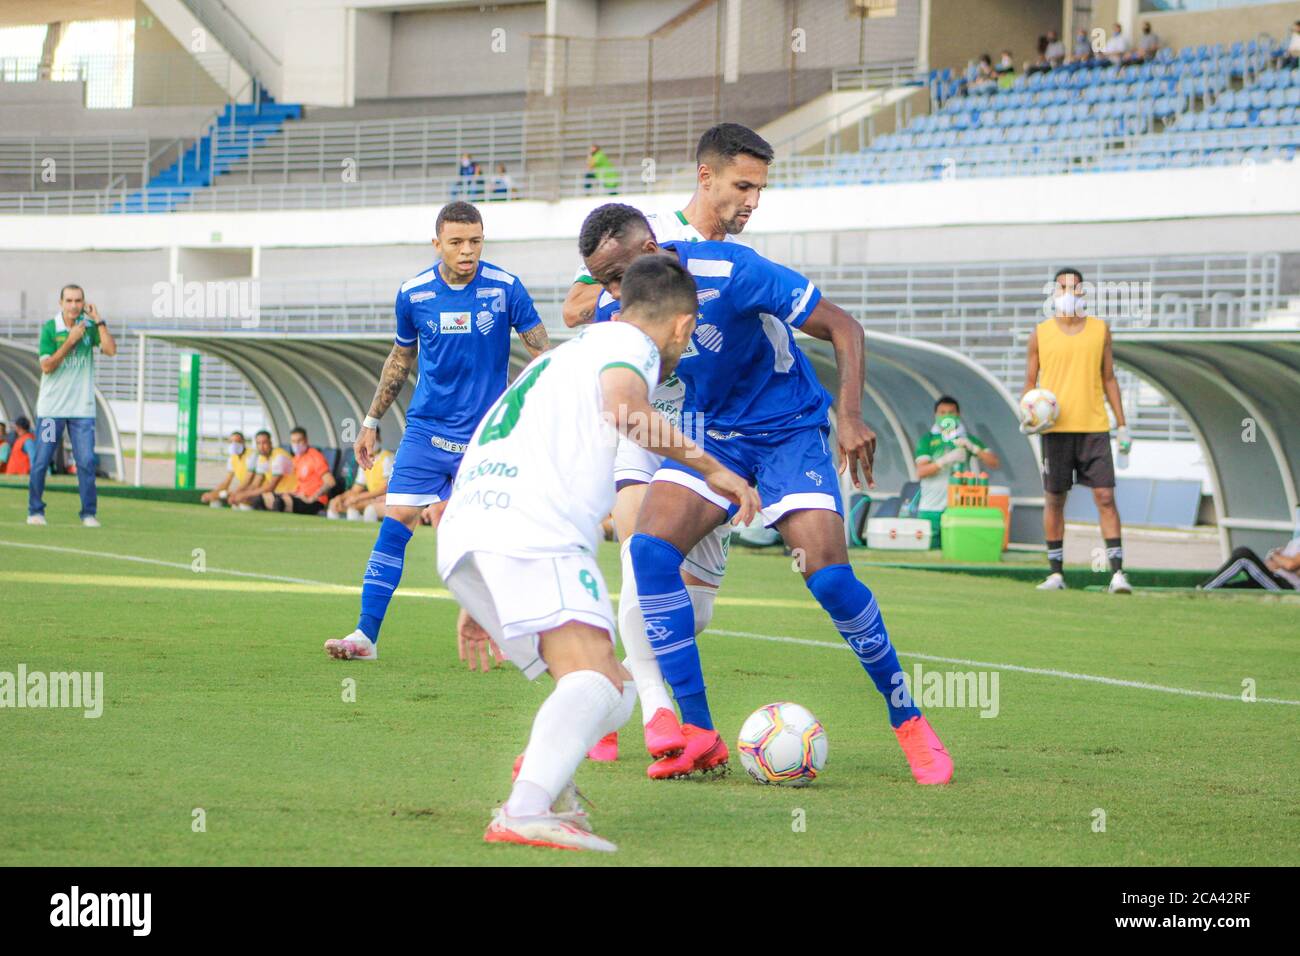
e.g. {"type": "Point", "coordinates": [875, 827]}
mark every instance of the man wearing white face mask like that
{"type": "Point", "coordinates": [240, 470]}
{"type": "Point", "coordinates": [1070, 356]}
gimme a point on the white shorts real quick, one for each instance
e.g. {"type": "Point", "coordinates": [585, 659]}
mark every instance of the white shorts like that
{"type": "Point", "coordinates": [634, 463]}
{"type": "Point", "coordinates": [708, 559]}
{"type": "Point", "coordinates": [515, 599]}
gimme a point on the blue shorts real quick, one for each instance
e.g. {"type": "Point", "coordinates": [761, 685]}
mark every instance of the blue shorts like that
{"type": "Point", "coordinates": [792, 469]}
{"type": "Point", "coordinates": [424, 467]}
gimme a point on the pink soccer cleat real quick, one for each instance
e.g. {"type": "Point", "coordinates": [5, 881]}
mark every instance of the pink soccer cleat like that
{"type": "Point", "coordinates": [355, 647]}
{"type": "Point", "coordinates": [705, 753]}
{"type": "Point", "coordinates": [606, 749]}
{"type": "Point", "coordinates": [924, 750]}
{"type": "Point", "coordinates": [663, 735]}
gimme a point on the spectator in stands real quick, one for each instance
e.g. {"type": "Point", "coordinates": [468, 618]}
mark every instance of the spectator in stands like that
{"type": "Point", "coordinates": [601, 170]}
{"type": "Point", "coordinates": [1292, 57]}
{"type": "Point", "coordinates": [274, 472]}
{"type": "Point", "coordinates": [1039, 64]}
{"type": "Point", "coordinates": [241, 469]}
{"type": "Point", "coordinates": [16, 455]}
{"type": "Point", "coordinates": [1006, 71]}
{"type": "Point", "coordinates": [1082, 52]}
{"type": "Point", "coordinates": [1148, 45]}
{"type": "Point", "coordinates": [502, 186]}
{"type": "Point", "coordinates": [945, 449]}
{"type": "Point", "coordinates": [1278, 571]}
{"type": "Point", "coordinates": [67, 398]}
{"type": "Point", "coordinates": [365, 499]}
{"type": "Point", "coordinates": [312, 480]}
{"type": "Point", "coordinates": [1055, 51]}
{"type": "Point", "coordinates": [1117, 46]}
{"type": "Point", "coordinates": [985, 78]}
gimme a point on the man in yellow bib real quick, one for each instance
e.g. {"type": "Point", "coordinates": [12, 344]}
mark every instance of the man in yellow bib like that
{"type": "Point", "coordinates": [1070, 356]}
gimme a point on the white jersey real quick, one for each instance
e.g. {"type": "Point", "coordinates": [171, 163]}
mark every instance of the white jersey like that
{"type": "Point", "coordinates": [538, 476]}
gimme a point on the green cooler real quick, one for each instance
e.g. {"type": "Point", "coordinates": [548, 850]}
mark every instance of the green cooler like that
{"type": "Point", "coordinates": [972, 535]}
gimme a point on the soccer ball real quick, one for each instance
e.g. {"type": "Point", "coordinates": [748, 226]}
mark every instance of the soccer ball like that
{"type": "Point", "coordinates": [783, 743]}
{"type": "Point", "coordinates": [1039, 410]}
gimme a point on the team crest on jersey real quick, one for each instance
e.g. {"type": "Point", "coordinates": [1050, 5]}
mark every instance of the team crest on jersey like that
{"type": "Point", "coordinates": [422, 296]}
{"type": "Point", "coordinates": [484, 321]}
{"type": "Point", "coordinates": [817, 479]}
{"type": "Point", "coordinates": [454, 323]}
{"type": "Point", "coordinates": [708, 295]}
{"type": "Point", "coordinates": [709, 337]}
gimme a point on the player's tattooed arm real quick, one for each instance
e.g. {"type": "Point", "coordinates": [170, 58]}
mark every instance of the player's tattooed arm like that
{"type": "Point", "coordinates": [580, 304]}
{"type": "Point", "coordinates": [397, 369]}
{"type": "Point", "coordinates": [536, 340]}
{"type": "Point", "coordinates": [830, 323]}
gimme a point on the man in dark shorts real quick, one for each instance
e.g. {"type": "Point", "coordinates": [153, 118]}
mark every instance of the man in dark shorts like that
{"type": "Point", "coordinates": [1069, 354]}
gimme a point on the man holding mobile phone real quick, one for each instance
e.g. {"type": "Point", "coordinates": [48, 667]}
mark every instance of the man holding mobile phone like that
{"type": "Point", "coordinates": [67, 398]}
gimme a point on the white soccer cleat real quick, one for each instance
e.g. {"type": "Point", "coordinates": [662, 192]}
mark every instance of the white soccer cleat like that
{"type": "Point", "coordinates": [215, 503]}
{"type": "Point", "coordinates": [1055, 582]}
{"type": "Point", "coordinates": [244, 507]}
{"type": "Point", "coordinates": [90, 521]}
{"type": "Point", "coordinates": [333, 515]}
{"type": "Point", "coordinates": [1119, 584]}
{"type": "Point", "coordinates": [568, 807]}
{"type": "Point", "coordinates": [354, 514]}
{"type": "Point", "coordinates": [551, 831]}
{"type": "Point", "coordinates": [355, 647]}
{"type": "Point", "coordinates": [370, 514]}
{"type": "Point", "coordinates": [37, 520]}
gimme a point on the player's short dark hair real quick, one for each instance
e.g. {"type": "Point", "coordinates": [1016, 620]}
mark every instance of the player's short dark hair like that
{"type": "Point", "coordinates": [1068, 271]}
{"type": "Point", "coordinates": [298, 430]}
{"type": "Point", "coordinates": [656, 288]}
{"type": "Point", "coordinates": [614, 220]}
{"type": "Point", "coordinates": [947, 400]}
{"type": "Point", "coordinates": [726, 141]}
{"type": "Point", "coordinates": [458, 211]}
{"type": "Point", "coordinates": [263, 432]}
{"type": "Point", "coordinates": [239, 433]}
{"type": "Point", "coordinates": [22, 422]}
{"type": "Point", "coordinates": [71, 285]}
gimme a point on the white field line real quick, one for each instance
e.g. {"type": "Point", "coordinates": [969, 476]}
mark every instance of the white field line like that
{"type": "Point", "coordinates": [773, 638]}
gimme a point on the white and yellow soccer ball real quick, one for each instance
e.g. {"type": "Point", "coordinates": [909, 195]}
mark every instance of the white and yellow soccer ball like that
{"type": "Point", "coordinates": [1038, 411]}
{"type": "Point", "coordinates": [783, 743]}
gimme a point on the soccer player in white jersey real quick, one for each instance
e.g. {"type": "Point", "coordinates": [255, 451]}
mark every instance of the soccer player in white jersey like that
{"type": "Point", "coordinates": [517, 543]}
{"type": "Point", "coordinates": [731, 170]}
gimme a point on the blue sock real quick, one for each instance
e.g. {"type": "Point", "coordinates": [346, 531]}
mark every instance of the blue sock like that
{"type": "Point", "coordinates": [670, 624]}
{"type": "Point", "coordinates": [383, 573]}
{"type": "Point", "coordinates": [856, 616]}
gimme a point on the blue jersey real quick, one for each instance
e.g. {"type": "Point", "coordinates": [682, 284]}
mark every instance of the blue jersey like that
{"type": "Point", "coordinates": [743, 371]}
{"type": "Point", "coordinates": [464, 340]}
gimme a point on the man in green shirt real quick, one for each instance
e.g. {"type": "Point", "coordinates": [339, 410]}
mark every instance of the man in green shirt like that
{"type": "Point", "coordinates": [67, 398]}
{"type": "Point", "coordinates": [945, 449]}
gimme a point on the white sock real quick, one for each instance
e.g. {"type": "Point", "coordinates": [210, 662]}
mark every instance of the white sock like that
{"type": "Point", "coordinates": [702, 597]}
{"type": "Point", "coordinates": [333, 515]}
{"type": "Point", "coordinates": [641, 660]}
{"type": "Point", "coordinates": [370, 514]}
{"type": "Point", "coordinates": [353, 514]}
{"type": "Point", "coordinates": [567, 725]}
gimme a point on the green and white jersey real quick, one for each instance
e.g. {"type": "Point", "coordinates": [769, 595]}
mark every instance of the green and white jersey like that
{"type": "Point", "coordinates": [934, 490]}
{"type": "Point", "coordinates": [538, 476]}
{"type": "Point", "coordinates": [68, 391]}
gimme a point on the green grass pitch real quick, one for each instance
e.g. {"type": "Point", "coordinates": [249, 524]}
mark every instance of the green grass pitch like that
{"type": "Point", "coordinates": [219, 698]}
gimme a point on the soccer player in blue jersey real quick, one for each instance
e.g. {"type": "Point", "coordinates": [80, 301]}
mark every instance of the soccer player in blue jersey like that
{"type": "Point", "coordinates": [764, 415]}
{"type": "Point", "coordinates": [455, 319]}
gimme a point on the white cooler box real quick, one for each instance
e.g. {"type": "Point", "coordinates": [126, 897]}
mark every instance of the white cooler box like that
{"type": "Point", "coordinates": [898, 534]}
